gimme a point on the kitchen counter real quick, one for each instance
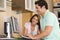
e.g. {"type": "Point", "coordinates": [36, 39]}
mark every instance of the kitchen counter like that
{"type": "Point", "coordinates": [6, 38]}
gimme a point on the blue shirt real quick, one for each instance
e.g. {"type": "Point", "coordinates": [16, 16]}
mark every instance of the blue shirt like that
{"type": "Point", "coordinates": [49, 19]}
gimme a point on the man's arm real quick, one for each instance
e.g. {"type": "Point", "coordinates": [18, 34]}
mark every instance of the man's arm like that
{"type": "Point", "coordinates": [46, 32]}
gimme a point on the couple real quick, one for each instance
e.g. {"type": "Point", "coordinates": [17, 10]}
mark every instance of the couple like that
{"type": "Point", "coordinates": [48, 29]}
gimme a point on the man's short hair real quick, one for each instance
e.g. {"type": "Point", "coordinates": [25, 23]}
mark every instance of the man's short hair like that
{"type": "Point", "coordinates": [42, 3]}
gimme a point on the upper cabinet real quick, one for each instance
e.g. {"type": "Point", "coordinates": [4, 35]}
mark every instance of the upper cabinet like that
{"type": "Point", "coordinates": [56, 1]}
{"type": "Point", "coordinates": [29, 5]}
{"type": "Point", "coordinates": [23, 5]}
{"type": "Point", "coordinates": [2, 5]}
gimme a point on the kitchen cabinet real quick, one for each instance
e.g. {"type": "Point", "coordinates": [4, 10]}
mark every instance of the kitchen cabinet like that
{"type": "Point", "coordinates": [23, 5]}
{"type": "Point", "coordinates": [2, 5]}
{"type": "Point", "coordinates": [29, 4]}
{"type": "Point", "coordinates": [56, 1]}
{"type": "Point", "coordinates": [50, 5]}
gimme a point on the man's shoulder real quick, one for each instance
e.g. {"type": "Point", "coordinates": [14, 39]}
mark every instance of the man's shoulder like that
{"type": "Point", "coordinates": [50, 14]}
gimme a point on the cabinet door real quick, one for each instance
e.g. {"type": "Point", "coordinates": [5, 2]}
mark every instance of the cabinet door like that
{"type": "Point", "coordinates": [34, 10]}
{"type": "Point", "coordinates": [32, 5]}
{"type": "Point", "coordinates": [29, 5]}
{"type": "Point", "coordinates": [2, 5]}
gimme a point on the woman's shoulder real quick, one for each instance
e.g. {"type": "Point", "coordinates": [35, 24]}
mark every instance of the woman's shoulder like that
{"type": "Point", "coordinates": [27, 25]}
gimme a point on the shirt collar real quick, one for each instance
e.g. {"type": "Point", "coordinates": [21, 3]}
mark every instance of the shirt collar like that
{"type": "Point", "coordinates": [45, 13]}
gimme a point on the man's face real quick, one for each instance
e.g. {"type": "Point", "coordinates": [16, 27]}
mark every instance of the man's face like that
{"type": "Point", "coordinates": [39, 9]}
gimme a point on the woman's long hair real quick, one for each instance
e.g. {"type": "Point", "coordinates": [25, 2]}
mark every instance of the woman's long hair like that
{"type": "Point", "coordinates": [38, 20]}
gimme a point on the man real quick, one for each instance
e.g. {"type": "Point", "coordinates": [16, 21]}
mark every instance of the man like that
{"type": "Point", "coordinates": [48, 21]}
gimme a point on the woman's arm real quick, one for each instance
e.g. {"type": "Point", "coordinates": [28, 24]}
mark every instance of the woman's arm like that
{"type": "Point", "coordinates": [25, 31]}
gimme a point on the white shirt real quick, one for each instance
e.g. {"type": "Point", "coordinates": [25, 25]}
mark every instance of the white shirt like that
{"type": "Point", "coordinates": [28, 26]}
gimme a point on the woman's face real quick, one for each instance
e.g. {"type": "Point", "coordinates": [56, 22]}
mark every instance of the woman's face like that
{"type": "Point", "coordinates": [34, 20]}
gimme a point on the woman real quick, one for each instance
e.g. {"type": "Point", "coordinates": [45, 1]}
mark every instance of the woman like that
{"type": "Point", "coordinates": [33, 26]}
